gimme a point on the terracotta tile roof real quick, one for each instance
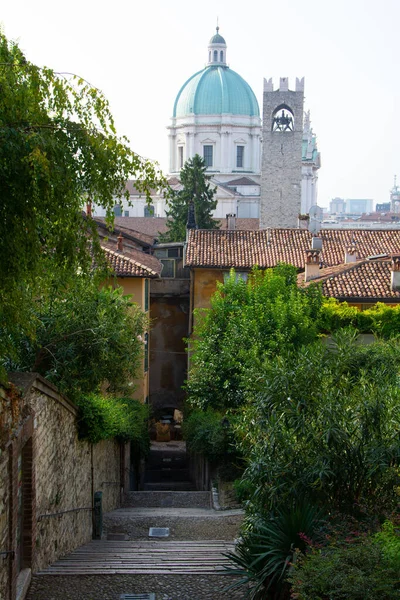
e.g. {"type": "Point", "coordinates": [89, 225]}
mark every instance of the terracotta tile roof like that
{"type": "Point", "coordinates": [267, 247]}
{"type": "Point", "coordinates": [142, 229]}
{"type": "Point", "coordinates": [133, 191]}
{"type": "Point", "coordinates": [131, 263]}
{"type": "Point", "coordinates": [365, 280]}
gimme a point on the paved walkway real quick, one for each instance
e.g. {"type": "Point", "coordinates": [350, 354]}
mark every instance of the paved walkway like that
{"type": "Point", "coordinates": [198, 574]}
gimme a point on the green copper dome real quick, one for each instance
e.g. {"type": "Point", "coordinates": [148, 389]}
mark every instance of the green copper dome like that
{"type": "Point", "coordinates": [217, 39]}
{"type": "Point", "coordinates": [216, 90]}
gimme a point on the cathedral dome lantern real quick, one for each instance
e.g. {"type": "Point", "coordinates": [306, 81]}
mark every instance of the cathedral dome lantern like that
{"type": "Point", "coordinates": [217, 50]}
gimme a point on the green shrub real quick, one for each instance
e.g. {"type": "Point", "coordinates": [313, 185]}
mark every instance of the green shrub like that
{"type": "Point", "coordinates": [265, 554]}
{"type": "Point", "coordinates": [357, 571]}
{"type": "Point", "coordinates": [104, 417]}
{"type": "Point", "coordinates": [210, 433]}
{"type": "Point", "coordinates": [381, 319]}
{"type": "Point", "coordinates": [389, 540]}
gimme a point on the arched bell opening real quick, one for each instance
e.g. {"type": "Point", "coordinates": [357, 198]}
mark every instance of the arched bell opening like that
{"type": "Point", "coordinates": [282, 119]}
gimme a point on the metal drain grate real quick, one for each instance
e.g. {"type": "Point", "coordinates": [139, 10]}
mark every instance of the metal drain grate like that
{"type": "Point", "coordinates": [159, 532]}
{"type": "Point", "coordinates": [137, 597]}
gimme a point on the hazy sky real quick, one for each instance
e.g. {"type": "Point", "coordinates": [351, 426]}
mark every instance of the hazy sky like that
{"type": "Point", "coordinates": [140, 54]}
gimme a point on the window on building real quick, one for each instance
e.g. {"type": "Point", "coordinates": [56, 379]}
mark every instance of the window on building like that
{"type": "Point", "coordinates": [149, 211]}
{"type": "Point", "coordinates": [238, 275]}
{"type": "Point", "coordinates": [208, 155]}
{"type": "Point", "coordinates": [126, 213]}
{"type": "Point", "coordinates": [146, 295]}
{"type": "Point", "coordinates": [221, 54]}
{"type": "Point", "coordinates": [146, 352]}
{"type": "Point", "coordinates": [180, 156]}
{"type": "Point", "coordinates": [118, 210]}
{"type": "Point", "coordinates": [239, 156]}
{"type": "Point", "coordinates": [168, 269]}
{"type": "Point", "coordinates": [215, 55]}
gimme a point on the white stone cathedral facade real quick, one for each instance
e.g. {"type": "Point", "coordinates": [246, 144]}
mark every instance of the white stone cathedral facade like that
{"type": "Point", "coordinates": [216, 115]}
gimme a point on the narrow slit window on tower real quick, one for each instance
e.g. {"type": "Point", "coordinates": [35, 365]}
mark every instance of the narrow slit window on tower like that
{"type": "Point", "coordinates": [239, 156]}
{"type": "Point", "coordinates": [215, 55]}
{"type": "Point", "coordinates": [208, 155]}
{"type": "Point", "coordinates": [180, 156]}
{"type": "Point", "coordinates": [221, 56]}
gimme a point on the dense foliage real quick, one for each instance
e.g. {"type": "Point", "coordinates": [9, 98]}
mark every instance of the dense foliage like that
{"type": "Point", "coordinates": [210, 433]}
{"type": "Point", "coordinates": [322, 423]}
{"type": "Point", "coordinates": [246, 321]}
{"type": "Point", "coordinates": [380, 319]}
{"type": "Point", "coordinates": [358, 568]}
{"type": "Point", "coordinates": [196, 188]}
{"type": "Point", "coordinates": [103, 417]}
{"type": "Point", "coordinates": [58, 148]}
{"type": "Point", "coordinates": [88, 342]}
{"type": "Point", "coordinates": [87, 337]}
{"type": "Point", "coordinates": [316, 418]}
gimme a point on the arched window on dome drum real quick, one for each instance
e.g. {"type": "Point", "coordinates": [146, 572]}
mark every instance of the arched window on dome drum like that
{"type": "Point", "coordinates": [221, 56]}
{"type": "Point", "coordinates": [215, 55]}
{"type": "Point", "coordinates": [180, 157]}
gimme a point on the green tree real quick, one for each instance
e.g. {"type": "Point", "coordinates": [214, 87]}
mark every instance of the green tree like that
{"type": "Point", "coordinates": [88, 338]}
{"type": "Point", "coordinates": [321, 422]}
{"type": "Point", "coordinates": [245, 322]}
{"type": "Point", "coordinates": [197, 189]}
{"type": "Point", "coordinates": [58, 148]}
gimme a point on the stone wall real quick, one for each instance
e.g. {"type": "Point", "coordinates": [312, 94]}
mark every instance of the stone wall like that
{"type": "Point", "coordinates": [280, 201]}
{"type": "Point", "coordinates": [60, 473]}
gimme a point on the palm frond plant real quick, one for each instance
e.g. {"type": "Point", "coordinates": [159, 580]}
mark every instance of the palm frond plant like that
{"type": "Point", "coordinates": [263, 557]}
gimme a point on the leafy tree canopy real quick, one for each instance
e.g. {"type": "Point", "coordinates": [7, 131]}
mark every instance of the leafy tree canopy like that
{"type": "Point", "coordinates": [88, 338]}
{"type": "Point", "coordinates": [197, 189]}
{"type": "Point", "coordinates": [247, 320]}
{"type": "Point", "coordinates": [58, 148]}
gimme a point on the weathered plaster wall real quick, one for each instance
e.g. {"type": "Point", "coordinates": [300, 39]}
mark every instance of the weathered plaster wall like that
{"type": "Point", "coordinates": [204, 286]}
{"type": "Point", "coordinates": [168, 358]}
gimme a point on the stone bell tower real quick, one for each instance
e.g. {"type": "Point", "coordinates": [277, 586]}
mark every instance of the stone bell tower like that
{"type": "Point", "coordinates": [282, 133]}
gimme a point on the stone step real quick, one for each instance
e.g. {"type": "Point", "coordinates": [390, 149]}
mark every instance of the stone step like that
{"type": "Point", "coordinates": [129, 557]}
{"type": "Point", "coordinates": [169, 486]}
{"type": "Point", "coordinates": [175, 499]}
{"type": "Point", "coordinates": [167, 474]}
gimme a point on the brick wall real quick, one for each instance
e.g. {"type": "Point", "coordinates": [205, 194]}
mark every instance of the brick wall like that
{"type": "Point", "coordinates": [58, 473]}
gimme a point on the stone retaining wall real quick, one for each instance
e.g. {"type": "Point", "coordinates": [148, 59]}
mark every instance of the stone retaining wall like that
{"type": "Point", "coordinates": [57, 474]}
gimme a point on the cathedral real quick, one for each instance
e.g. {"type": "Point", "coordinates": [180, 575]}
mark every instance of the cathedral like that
{"type": "Point", "coordinates": [262, 168]}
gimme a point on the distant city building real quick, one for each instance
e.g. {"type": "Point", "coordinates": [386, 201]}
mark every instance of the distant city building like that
{"type": "Point", "coordinates": [358, 206]}
{"type": "Point", "coordinates": [395, 197]}
{"type": "Point", "coordinates": [337, 206]}
{"type": "Point", "coordinates": [384, 207]}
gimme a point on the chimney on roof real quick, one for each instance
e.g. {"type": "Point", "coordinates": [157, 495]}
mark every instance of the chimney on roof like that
{"type": "Point", "coordinates": [316, 243]}
{"type": "Point", "coordinates": [231, 221]}
{"type": "Point", "coordinates": [350, 254]}
{"type": "Point", "coordinates": [395, 269]}
{"type": "Point", "coordinates": [120, 246]}
{"type": "Point", "coordinates": [312, 264]}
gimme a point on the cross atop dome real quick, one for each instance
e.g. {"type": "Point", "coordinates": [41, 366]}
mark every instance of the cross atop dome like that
{"type": "Point", "coordinates": [217, 50]}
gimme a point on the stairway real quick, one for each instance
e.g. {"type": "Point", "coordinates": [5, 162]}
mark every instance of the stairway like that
{"type": "Point", "coordinates": [167, 468]}
{"type": "Point", "coordinates": [106, 557]}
